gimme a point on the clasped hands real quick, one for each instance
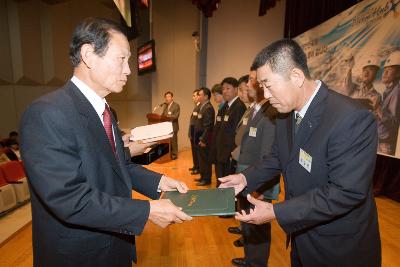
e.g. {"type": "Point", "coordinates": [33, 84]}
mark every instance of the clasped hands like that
{"type": "Point", "coordinates": [163, 212]}
{"type": "Point", "coordinates": [262, 212]}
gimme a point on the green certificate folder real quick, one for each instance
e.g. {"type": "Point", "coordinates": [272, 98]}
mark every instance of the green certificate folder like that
{"type": "Point", "coordinates": [208, 202]}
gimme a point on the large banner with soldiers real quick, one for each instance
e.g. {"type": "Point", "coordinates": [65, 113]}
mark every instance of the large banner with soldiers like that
{"type": "Point", "coordinates": [357, 53]}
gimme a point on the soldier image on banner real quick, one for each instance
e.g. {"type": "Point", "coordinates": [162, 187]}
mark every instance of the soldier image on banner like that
{"type": "Point", "coordinates": [388, 114]}
{"type": "Point", "coordinates": [365, 90]}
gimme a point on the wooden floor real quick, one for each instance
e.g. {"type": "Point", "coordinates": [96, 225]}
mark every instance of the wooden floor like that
{"type": "Point", "coordinates": [205, 242]}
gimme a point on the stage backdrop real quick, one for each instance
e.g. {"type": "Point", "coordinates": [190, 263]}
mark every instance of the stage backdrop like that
{"type": "Point", "coordinates": [357, 53]}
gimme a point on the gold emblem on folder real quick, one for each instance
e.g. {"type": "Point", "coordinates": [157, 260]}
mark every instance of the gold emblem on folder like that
{"type": "Point", "coordinates": [192, 200]}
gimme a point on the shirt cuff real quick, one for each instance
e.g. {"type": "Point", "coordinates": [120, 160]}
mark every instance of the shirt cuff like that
{"type": "Point", "coordinates": [159, 186]}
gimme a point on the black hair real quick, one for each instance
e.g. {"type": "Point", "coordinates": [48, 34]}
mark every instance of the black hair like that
{"type": "Point", "coordinates": [168, 93]}
{"type": "Point", "coordinates": [217, 89]}
{"type": "Point", "coordinates": [93, 31]}
{"type": "Point", "coordinates": [10, 142]}
{"type": "Point", "coordinates": [283, 56]}
{"type": "Point", "coordinates": [244, 78]}
{"type": "Point", "coordinates": [13, 133]}
{"type": "Point", "coordinates": [206, 91]}
{"type": "Point", "coordinates": [253, 67]}
{"type": "Point", "coordinates": [230, 80]}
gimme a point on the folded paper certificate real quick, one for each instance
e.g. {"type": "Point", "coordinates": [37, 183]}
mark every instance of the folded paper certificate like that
{"type": "Point", "coordinates": [208, 202]}
{"type": "Point", "coordinates": [152, 132]}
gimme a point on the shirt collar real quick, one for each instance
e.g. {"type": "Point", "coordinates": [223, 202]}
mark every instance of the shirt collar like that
{"type": "Point", "coordinates": [95, 100]}
{"type": "Point", "coordinates": [231, 102]}
{"type": "Point", "coordinates": [201, 106]}
{"type": "Point", "coordinates": [304, 109]}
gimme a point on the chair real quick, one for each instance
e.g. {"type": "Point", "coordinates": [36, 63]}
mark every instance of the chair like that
{"type": "Point", "coordinates": [8, 199]}
{"type": "Point", "coordinates": [14, 174]}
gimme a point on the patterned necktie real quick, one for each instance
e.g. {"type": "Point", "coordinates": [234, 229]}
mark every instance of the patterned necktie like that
{"type": "Point", "coordinates": [298, 120]}
{"type": "Point", "coordinates": [108, 126]}
{"type": "Point", "coordinates": [254, 113]}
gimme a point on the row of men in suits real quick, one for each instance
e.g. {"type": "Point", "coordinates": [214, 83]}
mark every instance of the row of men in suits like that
{"type": "Point", "coordinates": [253, 139]}
{"type": "Point", "coordinates": [246, 124]}
{"type": "Point", "coordinates": [214, 142]}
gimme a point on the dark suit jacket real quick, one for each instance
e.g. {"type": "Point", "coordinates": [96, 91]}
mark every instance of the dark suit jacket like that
{"type": "Point", "coordinates": [254, 148]}
{"type": "Point", "coordinates": [240, 127]}
{"type": "Point", "coordinates": [225, 138]}
{"type": "Point", "coordinates": [204, 124]}
{"type": "Point", "coordinates": [173, 114]}
{"type": "Point", "coordinates": [216, 128]}
{"type": "Point", "coordinates": [329, 211]}
{"type": "Point", "coordinates": [82, 211]}
{"type": "Point", "coordinates": [193, 118]}
{"type": "Point", "coordinates": [10, 154]}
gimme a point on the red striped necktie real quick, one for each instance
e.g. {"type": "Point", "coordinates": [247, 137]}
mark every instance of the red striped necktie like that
{"type": "Point", "coordinates": [108, 126]}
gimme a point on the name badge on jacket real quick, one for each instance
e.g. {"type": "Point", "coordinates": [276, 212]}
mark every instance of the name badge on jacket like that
{"type": "Point", "coordinates": [253, 132]}
{"type": "Point", "coordinates": [169, 112]}
{"type": "Point", "coordinates": [195, 114]}
{"type": "Point", "coordinates": [218, 118]}
{"type": "Point", "coordinates": [226, 117]}
{"type": "Point", "coordinates": [245, 120]}
{"type": "Point", "coordinates": [305, 160]}
{"type": "Point", "coordinates": [199, 116]}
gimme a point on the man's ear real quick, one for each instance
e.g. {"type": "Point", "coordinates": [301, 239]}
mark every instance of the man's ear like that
{"type": "Point", "coordinates": [297, 77]}
{"type": "Point", "coordinates": [87, 55]}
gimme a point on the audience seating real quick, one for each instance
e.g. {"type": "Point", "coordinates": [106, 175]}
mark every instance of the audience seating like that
{"type": "Point", "coordinates": [14, 174]}
{"type": "Point", "coordinates": [8, 198]}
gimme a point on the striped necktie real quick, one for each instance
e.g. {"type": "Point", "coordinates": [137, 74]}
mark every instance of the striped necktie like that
{"type": "Point", "coordinates": [108, 126]}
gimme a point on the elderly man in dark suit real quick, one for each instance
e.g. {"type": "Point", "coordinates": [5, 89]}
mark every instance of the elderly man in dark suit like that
{"type": "Point", "coordinates": [171, 110]}
{"type": "Point", "coordinates": [80, 181]}
{"type": "Point", "coordinates": [203, 128]}
{"type": "Point", "coordinates": [325, 146]}
{"type": "Point", "coordinates": [225, 138]}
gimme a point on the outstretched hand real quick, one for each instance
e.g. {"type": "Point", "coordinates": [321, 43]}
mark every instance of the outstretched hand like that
{"type": "Point", "coordinates": [170, 184]}
{"type": "Point", "coordinates": [262, 212]}
{"type": "Point", "coordinates": [163, 213]}
{"type": "Point", "coordinates": [237, 181]}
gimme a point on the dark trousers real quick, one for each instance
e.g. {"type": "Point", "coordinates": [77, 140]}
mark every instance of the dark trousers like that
{"type": "Point", "coordinates": [257, 242]}
{"type": "Point", "coordinates": [223, 169]}
{"type": "Point", "coordinates": [256, 239]}
{"type": "Point", "coordinates": [294, 256]}
{"type": "Point", "coordinates": [174, 145]}
{"type": "Point", "coordinates": [204, 163]}
{"type": "Point", "coordinates": [195, 156]}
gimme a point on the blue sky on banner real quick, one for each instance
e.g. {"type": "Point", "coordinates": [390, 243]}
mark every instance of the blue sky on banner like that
{"type": "Point", "coordinates": [337, 49]}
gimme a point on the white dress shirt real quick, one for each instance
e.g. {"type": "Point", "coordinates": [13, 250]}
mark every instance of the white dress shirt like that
{"type": "Point", "coordinates": [303, 110]}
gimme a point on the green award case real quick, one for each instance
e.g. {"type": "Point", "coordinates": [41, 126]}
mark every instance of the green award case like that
{"type": "Point", "coordinates": [208, 202]}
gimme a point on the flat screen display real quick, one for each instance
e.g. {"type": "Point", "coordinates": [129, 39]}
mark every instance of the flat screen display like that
{"type": "Point", "coordinates": [146, 57]}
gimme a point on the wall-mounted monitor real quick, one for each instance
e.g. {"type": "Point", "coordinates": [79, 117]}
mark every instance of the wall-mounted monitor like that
{"type": "Point", "coordinates": [146, 57]}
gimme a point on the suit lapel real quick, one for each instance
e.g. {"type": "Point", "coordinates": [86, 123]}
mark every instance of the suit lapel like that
{"type": "Point", "coordinates": [290, 131]}
{"type": "Point", "coordinates": [119, 149]}
{"type": "Point", "coordinates": [311, 119]}
{"type": "Point", "coordinates": [95, 127]}
{"type": "Point", "coordinates": [259, 114]}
